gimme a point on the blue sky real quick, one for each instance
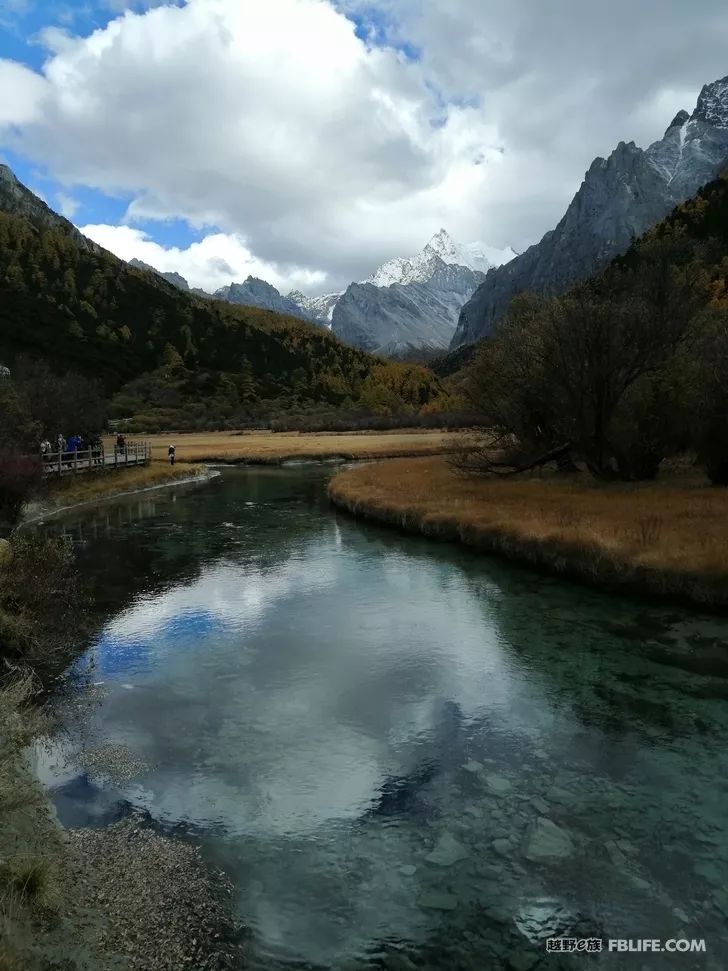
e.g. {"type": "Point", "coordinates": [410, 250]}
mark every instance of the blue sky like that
{"type": "Point", "coordinates": [21, 26]}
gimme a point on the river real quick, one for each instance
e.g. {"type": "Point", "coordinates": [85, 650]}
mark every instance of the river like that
{"type": "Point", "coordinates": [404, 754]}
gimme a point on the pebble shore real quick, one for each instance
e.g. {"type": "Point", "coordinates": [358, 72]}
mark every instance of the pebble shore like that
{"type": "Point", "coordinates": [160, 908]}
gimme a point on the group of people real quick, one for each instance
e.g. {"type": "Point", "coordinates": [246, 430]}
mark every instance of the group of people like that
{"type": "Point", "coordinates": [67, 447]}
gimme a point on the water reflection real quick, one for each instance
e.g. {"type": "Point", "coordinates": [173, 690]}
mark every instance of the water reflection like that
{"type": "Point", "coordinates": [404, 755]}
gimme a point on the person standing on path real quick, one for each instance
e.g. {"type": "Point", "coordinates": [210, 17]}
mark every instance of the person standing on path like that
{"type": "Point", "coordinates": [170, 452]}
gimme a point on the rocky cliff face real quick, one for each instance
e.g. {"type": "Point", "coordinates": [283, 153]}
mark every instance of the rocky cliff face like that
{"type": "Point", "coordinates": [414, 302]}
{"type": "Point", "coordinates": [318, 308]}
{"type": "Point", "coordinates": [417, 314]}
{"type": "Point", "coordinates": [257, 293]}
{"type": "Point", "coordinates": [174, 278]}
{"type": "Point", "coordinates": [621, 197]}
{"type": "Point", "coordinates": [18, 200]}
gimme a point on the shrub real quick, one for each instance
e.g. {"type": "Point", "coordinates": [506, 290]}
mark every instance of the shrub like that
{"type": "Point", "coordinates": [20, 478]}
{"type": "Point", "coordinates": [42, 605]}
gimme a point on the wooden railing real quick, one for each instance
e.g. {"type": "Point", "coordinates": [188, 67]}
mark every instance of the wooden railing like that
{"type": "Point", "coordinates": [97, 459]}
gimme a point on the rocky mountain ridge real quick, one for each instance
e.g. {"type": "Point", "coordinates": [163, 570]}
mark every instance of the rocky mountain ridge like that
{"type": "Point", "coordinates": [414, 302]}
{"type": "Point", "coordinates": [254, 292]}
{"type": "Point", "coordinates": [620, 198]}
{"type": "Point", "coordinates": [417, 314]}
{"type": "Point", "coordinates": [174, 278]}
{"type": "Point", "coordinates": [17, 199]}
{"type": "Point", "coordinates": [319, 308]}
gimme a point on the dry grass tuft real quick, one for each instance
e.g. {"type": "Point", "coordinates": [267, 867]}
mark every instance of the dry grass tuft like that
{"type": "Point", "coordinates": [29, 839]}
{"type": "Point", "coordinates": [34, 883]}
{"type": "Point", "coordinates": [669, 537]}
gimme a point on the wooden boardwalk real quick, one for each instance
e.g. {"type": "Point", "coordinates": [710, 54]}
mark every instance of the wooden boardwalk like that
{"type": "Point", "coordinates": [97, 459]}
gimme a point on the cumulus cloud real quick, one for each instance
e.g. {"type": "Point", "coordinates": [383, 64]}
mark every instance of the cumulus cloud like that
{"type": "Point", "coordinates": [24, 107]}
{"type": "Point", "coordinates": [328, 148]}
{"type": "Point", "coordinates": [271, 120]}
{"type": "Point", "coordinates": [208, 264]}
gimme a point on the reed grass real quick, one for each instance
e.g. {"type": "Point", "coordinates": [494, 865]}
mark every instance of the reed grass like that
{"type": "Point", "coordinates": [272, 448]}
{"type": "Point", "coordinates": [668, 538]}
{"type": "Point", "coordinates": [86, 487]}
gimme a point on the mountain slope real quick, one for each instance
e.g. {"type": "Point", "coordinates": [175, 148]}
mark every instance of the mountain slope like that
{"type": "Point", "coordinates": [318, 308]}
{"type": "Point", "coordinates": [621, 197]}
{"type": "Point", "coordinates": [68, 301]}
{"type": "Point", "coordinates": [413, 303]}
{"type": "Point", "coordinates": [412, 315]}
{"type": "Point", "coordinates": [257, 293]}
{"type": "Point", "coordinates": [174, 278]}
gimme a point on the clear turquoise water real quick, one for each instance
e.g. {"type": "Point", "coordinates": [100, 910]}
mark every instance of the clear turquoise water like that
{"type": "Point", "coordinates": [364, 728]}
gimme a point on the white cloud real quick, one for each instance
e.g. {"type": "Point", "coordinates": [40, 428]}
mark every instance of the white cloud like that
{"type": "Point", "coordinates": [209, 264]}
{"type": "Point", "coordinates": [274, 123]}
{"type": "Point", "coordinates": [272, 120]}
{"type": "Point", "coordinates": [28, 89]}
{"type": "Point", "coordinates": [66, 205]}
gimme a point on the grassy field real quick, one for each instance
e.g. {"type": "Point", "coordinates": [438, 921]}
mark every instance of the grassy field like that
{"type": "Point", "coordinates": [669, 538]}
{"type": "Point", "coordinates": [275, 447]}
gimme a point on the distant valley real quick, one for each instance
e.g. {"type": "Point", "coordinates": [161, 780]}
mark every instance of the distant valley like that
{"type": "Point", "coordinates": [452, 294]}
{"type": "Point", "coordinates": [407, 305]}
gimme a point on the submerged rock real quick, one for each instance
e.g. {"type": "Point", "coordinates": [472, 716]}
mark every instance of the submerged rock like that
{"type": "Point", "coordinates": [615, 854]}
{"type": "Point", "coordinates": [498, 784]}
{"type": "Point", "coordinates": [547, 842]}
{"type": "Point", "coordinates": [447, 851]}
{"type": "Point", "coordinates": [438, 901]}
{"type": "Point", "coordinates": [559, 794]}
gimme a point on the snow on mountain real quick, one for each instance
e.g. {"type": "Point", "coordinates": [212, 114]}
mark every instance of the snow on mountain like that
{"type": "Point", "coordinates": [420, 268]}
{"type": "Point", "coordinates": [321, 308]}
{"type": "Point", "coordinates": [476, 256]}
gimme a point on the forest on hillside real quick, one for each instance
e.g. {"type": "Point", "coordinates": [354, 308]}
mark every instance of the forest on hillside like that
{"type": "Point", "coordinates": [173, 359]}
{"type": "Point", "coordinates": [621, 372]}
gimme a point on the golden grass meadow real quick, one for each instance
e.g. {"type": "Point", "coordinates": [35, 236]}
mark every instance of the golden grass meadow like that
{"type": "Point", "coordinates": [668, 538]}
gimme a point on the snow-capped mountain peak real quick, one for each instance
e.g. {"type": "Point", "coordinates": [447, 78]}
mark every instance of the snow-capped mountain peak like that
{"type": "Point", "coordinates": [476, 256]}
{"type": "Point", "coordinates": [321, 308]}
{"type": "Point", "coordinates": [442, 248]}
{"type": "Point", "coordinates": [712, 106]}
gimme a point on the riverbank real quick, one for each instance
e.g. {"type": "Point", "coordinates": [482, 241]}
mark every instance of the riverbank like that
{"type": "Point", "coordinates": [275, 448]}
{"type": "Point", "coordinates": [126, 897]}
{"type": "Point", "coordinates": [83, 489]}
{"type": "Point", "coordinates": [122, 898]}
{"type": "Point", "coordinates": [668, 538]}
